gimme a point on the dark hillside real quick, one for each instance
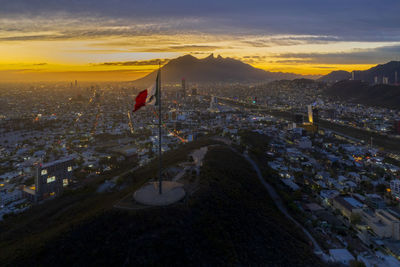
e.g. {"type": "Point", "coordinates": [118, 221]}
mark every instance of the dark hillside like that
{"type": "Point", "coordinates": [381, 95]}
{"type": "Point", "coordinates": [229, 221]}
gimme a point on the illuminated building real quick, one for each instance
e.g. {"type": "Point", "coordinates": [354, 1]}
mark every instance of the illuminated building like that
{"type": "Point", "coordinates": [385, 80]}
{"type": "Point", "coordinates": [310, 114]}
{"type": "Point", "coordinates": [395, 188]}
{"type": "Point", "coordinates": [50, 179]}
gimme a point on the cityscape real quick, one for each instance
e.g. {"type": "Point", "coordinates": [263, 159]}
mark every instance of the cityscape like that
{"type": "Point", "coordinates": [210, 143]}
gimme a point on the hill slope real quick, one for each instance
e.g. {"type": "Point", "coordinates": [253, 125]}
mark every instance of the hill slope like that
{"type": "Point", "coordinates": [230, 220]}
{"type": "Point", "coordinates": [379, 71]}
{"type": "Point", "coordinates": [361, 92]}
{"type": "Point", "coordinates": [336, 76]}
{"type": "Point", "coordinates": [211, 70]}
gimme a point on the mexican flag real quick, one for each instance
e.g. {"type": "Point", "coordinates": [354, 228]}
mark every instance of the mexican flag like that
{"type": "Point", "coordinates": [148, 97]}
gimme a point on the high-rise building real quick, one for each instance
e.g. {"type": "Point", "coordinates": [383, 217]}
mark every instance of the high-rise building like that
{"type": "Point", "coordinates": [395, 77]}
{"type": "Point", "coordinates": [315, 115]}
{"type": "Point", "coordinates": [385, 80]}
{"type": "Point", "coordinates": [396, 127]}
{"type": "Point", "coordinates": [183, 88]}
{"type": "Point", "coordinates": [395, 188]}
{"type": "Point", "coordinates": [194, 91]}
{"type": "Point", "coordinates": [330, 113]}
{"type": "Point", "coordinates": [353, 75]}
{"type": "Point", "coordinates": [213, 103]}
{"type": "Point", "coordinates": [376, 79]}
{"type": "Point", "coordinates": [310, 114]}
{"type": "Point", "coordinates": [76, 83]}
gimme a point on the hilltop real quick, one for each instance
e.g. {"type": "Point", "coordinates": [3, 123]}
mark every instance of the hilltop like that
{"type": "Point", "coordinates": [382, 70]}
{"type": "Point", "coordinates": [336, 76]}
{"type": "Point", "coordinates": [382, 95]}
{"type": "Point", "coordinates": [230, 220]}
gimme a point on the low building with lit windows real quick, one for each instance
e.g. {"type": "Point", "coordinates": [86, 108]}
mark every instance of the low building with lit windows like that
{"type": "Point", "coordinates": [50, 179]}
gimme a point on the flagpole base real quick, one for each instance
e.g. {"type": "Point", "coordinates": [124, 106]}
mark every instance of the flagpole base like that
{"type": "Point", "coordinates": [149, 194]}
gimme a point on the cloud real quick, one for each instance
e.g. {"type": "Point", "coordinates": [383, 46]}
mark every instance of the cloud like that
{"type": "Point", "coordinates": [355, 56]}
{"type": "Point", "coordinates": [356, 20]}
{"type": "Point", "coordinates": [288, 40]}
{"type": "Point", "coordinates": [185, 48]}
{"type": "Point", "coordinates": [135, 63]}
{"type": "Point", "coordinates": [34, 75]}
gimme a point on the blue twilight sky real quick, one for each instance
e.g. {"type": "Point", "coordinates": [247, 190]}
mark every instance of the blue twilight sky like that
{"type": "Point", "coordinates": [286, 35]}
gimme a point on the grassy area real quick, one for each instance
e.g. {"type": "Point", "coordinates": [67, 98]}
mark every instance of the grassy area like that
{"type": "Point", "coordinates": [230, 220]}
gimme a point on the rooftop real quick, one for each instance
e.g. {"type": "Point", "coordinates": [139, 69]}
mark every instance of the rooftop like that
{"type": "Point", "coordinates": [49, 164]}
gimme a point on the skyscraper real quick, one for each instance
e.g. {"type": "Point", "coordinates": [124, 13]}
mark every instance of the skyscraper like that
{"type": "Point", "coordinates": [310, 114]}
{"type": "Point", "coordinates": [183, 88]}
{"type": "Point", "coordinates": [385, 80]}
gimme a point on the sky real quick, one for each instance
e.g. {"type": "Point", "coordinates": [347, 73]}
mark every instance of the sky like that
{"type": "Point", "coordinates": [122, 40]}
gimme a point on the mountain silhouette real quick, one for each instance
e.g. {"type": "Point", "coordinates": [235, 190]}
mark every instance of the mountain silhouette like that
{"type": "Point", "coordinates": [335, 76]}
{"type": "Point", "coordinates": [379, 71]}
{"type": "Point", "coordinates": [212, 70]}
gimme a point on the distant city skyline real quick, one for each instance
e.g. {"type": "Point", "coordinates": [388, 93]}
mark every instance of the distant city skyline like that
{"type": "Point", "coordinates": [120, 40]}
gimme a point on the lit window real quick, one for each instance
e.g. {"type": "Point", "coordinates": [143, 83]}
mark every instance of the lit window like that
{"type": "Point", "coordinates": [51, 179]}
{"type": "Point", "coordinates": [69, 168]}
{"type": "Point", "coordinates": [65, 182]}
{"type": "Point", "coordinates": [44, 172]}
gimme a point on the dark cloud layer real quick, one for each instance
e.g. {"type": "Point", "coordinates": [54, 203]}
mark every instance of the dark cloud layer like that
{"type": "Point", "coordinates": [348, 20]}
{"type": "Point", "coordinates": [358, 56]}
{"type": "Point", "coordinates": [136, 63]}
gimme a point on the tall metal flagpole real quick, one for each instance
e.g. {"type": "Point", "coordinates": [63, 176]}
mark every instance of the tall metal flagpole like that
{"type": "Point", "coordinates": [159, 128]}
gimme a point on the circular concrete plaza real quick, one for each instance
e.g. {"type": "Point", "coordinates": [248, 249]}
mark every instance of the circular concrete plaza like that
{"type": "Point", "coordinates": [149, 194]}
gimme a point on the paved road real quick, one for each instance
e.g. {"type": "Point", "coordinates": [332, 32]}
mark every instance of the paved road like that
{"type": "Point", "coordinates": [281, 206]}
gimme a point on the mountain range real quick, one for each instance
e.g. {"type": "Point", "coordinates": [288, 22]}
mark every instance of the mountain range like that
{"type": "Point", "coordinates": [335, 76]}
{"type": "Point", "coordinates": [227, 70]}
{"type": "Point", "coordinates": [212, 70]}
{"type": "Point", "coordinates": [379, 71]}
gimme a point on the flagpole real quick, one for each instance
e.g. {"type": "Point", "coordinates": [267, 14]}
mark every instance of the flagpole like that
{"type": "Point", "coordinates": [159, 128]}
